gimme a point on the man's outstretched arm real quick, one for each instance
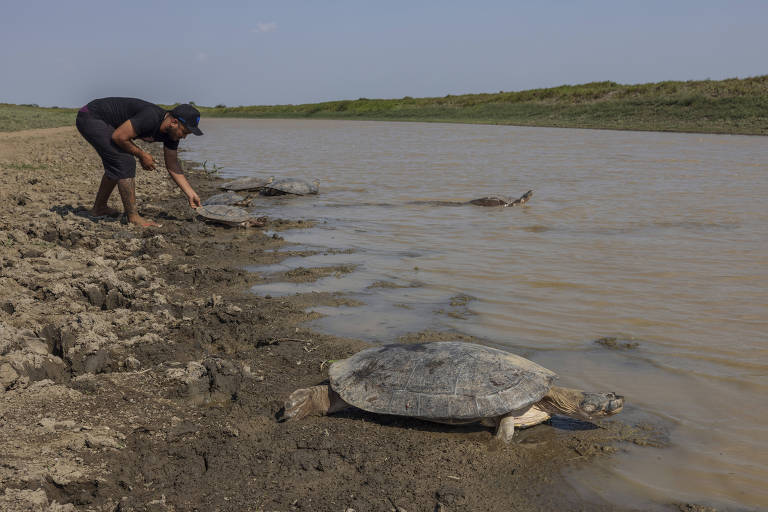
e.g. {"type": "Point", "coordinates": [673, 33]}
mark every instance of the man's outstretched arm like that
{"type": "Point", "coordinates": [177, 174]}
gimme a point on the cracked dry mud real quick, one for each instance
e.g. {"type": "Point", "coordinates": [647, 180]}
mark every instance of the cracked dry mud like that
{"type": "Point", "coordinates": [138, 373]}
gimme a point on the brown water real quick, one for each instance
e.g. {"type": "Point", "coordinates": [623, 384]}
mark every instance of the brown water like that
{"type": "Point", "coordinates": [655, 238]}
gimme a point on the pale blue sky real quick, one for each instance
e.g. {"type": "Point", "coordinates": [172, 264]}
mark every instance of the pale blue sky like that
{"type": "Point", "coordinates": [263, 52]}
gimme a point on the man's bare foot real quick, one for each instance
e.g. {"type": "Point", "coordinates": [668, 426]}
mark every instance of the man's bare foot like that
{"type": "Point", "coordinates": [104, 212]}
{"type": "Point", "coordinates": [140, 221]}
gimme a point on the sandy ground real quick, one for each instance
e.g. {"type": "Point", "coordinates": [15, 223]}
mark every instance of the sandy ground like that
{"type": "Point", "coordinates": [138, 373]}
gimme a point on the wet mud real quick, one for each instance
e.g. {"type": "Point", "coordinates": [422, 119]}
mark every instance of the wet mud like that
{"type": "Point", "coordinates": [139, 373]}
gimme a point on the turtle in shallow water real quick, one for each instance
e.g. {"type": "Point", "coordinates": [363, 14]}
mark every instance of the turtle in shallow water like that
{"type": "Point", "coordinates": [229, 215]}
{"type": "Point", "coordinates": [247, 183]}
{"type": "Point", "coordinates": [291, 186]}
{"type": "Point", "coordinates": [228, 198]}
{"type": "Point", "coordinates": [502, 200]}
{"type": "Point", "coordinates": [449, 382]}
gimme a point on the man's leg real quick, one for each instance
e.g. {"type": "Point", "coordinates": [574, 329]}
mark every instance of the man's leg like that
{"type": "Point", "coordinates": [118, 164]}
{"type": "Point", "coordinates": [99, 135]}
{"type": "Point", "coordinates": [127, 188]}
{"type": "Point", "coordinates": [102, 196]}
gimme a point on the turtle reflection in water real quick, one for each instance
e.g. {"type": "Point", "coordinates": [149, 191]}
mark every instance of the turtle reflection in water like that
{"type": "Point", "coordinates": [229, 216]}
{"type": "Point", "coordinates": [449, 382]}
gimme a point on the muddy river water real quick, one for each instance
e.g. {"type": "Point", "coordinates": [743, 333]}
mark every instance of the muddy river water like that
{"type": "Point", "coordinates": [658, 240]}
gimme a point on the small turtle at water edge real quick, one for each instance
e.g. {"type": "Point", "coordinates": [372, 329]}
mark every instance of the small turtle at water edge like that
{"type": "Point", "coordinates": [449, 382]}
{"type": "Point", "coordinates": [502, 200]}
{"type": "Point", "coordinates": [291, 186]}
{"type": "Point", "coordinates": [228, 198]}
{"type": "Point", "coordinates": [229, 216]}
{"type": "Point", "coordinates": [247, 183]}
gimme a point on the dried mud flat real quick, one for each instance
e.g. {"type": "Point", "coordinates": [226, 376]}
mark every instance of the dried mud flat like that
{"type": "Point", "coordinates": [138, 373]}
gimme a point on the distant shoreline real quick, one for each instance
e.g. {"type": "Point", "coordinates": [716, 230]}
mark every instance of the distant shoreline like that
{"type": "Point", "coordinates": [732, 106]}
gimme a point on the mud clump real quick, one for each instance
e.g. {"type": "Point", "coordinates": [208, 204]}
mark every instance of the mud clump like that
{"type": "Point", "coordinates": [211, 381]}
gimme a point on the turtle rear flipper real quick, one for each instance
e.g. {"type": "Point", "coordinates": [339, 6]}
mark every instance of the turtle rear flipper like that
{"type": "Point", "coordinates": [314, 401]}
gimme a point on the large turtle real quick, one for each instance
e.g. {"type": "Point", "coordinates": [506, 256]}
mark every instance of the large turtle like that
{"type": "Point", "coordinates": [247, 183]}
{"type": "Point", "coordinates": [291, 186]}
{"type": "Point", "coordinates": [449, 382]}
{"type": "Point", "coordinates": [229, 215]}
{"type": "Point", "coordinates": [502, 200]}
{"type": "Point", "coordinates": [228, 198]}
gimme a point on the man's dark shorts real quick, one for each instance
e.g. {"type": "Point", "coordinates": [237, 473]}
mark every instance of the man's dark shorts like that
{"type": "Point", "coordinates": [118, 164]}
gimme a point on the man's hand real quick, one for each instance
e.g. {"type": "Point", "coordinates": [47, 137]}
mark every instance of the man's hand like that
{"type": "Point", "coordinates": [177, 175]}
{"type": "Point", "coordinates": [147, 162]}
{"type": "Point", "coordinates": [194, 200]}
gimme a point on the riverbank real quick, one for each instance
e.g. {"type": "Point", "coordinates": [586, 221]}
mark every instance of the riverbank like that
{"type": "Point", "coordinates": [137, 371]}
{"type": "Point", "coordinates": [732, 106]}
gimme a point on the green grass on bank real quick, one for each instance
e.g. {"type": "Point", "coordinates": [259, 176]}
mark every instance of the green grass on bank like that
{"type": "Point", "coordinates": [735, 106]}
{"type": "Point", "coordinates": [26, 117]}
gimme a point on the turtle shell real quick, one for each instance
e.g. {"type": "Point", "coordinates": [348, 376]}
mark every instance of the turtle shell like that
{"type": "Point", "coordinates": [492, 201]}
{"type": "Point", "coordinates": [291, 186]}
{"type": "Point", "coordinates": [228, 198]}
{"type": "Point", "coordinates": [502, 200]}
{"type": "Point", "coordinates": [442, 380]}
{"type": "Point", "coordinates": [224, 214]}
{"type": "Point", "coordinates": [247, 183]}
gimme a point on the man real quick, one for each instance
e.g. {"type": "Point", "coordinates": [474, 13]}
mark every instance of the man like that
{"type": "Point", "coordinates": [111, 124]}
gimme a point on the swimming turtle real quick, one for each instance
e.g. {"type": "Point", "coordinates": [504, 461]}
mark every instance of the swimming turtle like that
{"type": "Point", "coordinates": [247, 183]}
{"type": "Point", "coordinates": [449, 382]}
{"type": "Point", "coordinates": [228, 198]}
{"type": "Point", "coordinates": [502, 200]}
{"type": "Point", "coordinates": [290, 186]}
{"type": "Point", "coordinates": [229, 215]}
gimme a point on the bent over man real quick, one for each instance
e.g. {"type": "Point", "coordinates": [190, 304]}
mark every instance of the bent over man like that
{"type": "Point", "coordinates": [111, 124]}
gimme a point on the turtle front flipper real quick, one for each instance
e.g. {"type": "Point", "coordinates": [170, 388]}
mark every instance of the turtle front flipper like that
{"type": "Point", "coordinates": [505, 429]}
{"type": "Point", "coordinates": [523, 418]}
{"type": "Point", "coordinates": [314, 401]}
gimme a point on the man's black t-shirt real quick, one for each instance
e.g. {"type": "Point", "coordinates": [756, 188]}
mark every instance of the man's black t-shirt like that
{"type": "Point", "coordinates": [145, 117]}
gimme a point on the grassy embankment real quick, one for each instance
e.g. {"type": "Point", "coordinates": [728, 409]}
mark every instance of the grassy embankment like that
{"type": "Point", "coordinates": [26, 117]}
{"type": "Point", "coordinates": [736, 106]}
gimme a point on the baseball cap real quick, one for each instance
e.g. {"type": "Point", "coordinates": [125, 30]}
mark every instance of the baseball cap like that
{"type": "Point", "coordinates": [189, 116]}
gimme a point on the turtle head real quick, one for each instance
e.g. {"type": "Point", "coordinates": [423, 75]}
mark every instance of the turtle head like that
{"type": "Point", "coordinates": [582, 404]}
{"type": "Point", "coordinates": [594, 405]}
{"type": "Point", "coordinates": [522, 199]}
